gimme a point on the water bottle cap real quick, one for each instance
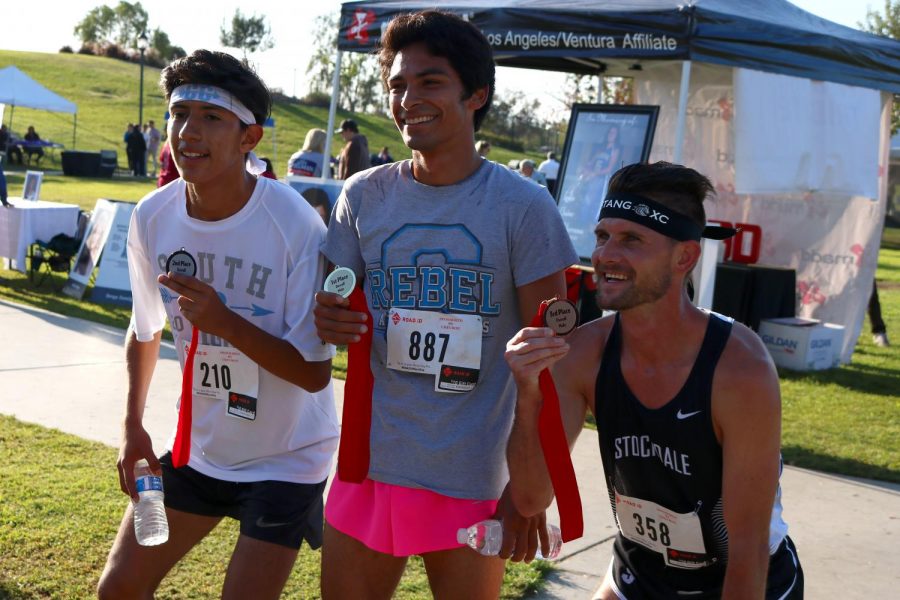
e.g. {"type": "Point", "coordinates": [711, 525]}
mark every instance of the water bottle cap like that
{"type": "Point", "coordinates": [141, 463]}
{"type": "Point", "coordinates": [462, 536]}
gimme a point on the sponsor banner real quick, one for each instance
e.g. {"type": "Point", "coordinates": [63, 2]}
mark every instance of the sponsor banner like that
{"type": "Point", "coordinates": [830, 240]}
{"type": "Point", "coordinates": [655, 36]}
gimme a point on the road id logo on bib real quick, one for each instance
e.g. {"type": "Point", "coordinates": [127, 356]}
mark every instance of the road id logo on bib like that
{"type": "Point", "coordinates": [447, 346]}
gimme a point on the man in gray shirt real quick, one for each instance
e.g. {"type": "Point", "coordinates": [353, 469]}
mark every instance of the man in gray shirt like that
{"type": "Point", "coordinates": [453, 254]}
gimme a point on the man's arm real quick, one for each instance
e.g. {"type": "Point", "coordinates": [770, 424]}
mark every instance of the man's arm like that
{"type": "Point", "coordinates": [140, 360]}
{"type": "Point", "coordinates": [747, 417]}
{"type": "Point", "coordinates": [520, 539]}
{"type": "Point", "coordinates": [201, 306]}
{"type": "Point", "coordinates": [528, 353]}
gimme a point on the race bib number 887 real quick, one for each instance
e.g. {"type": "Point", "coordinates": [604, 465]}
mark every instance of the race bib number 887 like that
{"type": "Point", "coordinates": [447, 346]}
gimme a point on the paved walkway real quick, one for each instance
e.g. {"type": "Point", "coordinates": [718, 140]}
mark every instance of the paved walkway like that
{"type": "Point", "coordinates": [69, 374]}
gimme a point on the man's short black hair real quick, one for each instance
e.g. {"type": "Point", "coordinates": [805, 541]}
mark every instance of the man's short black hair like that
{"type": "Point", "coordinates": [448, 36]}
{"type": "Point", "coordinates": [348, 125]}
{"type": "Point", "coordinates": [678, 187]}
{"type": "Point", "coordinates": [222, 70]}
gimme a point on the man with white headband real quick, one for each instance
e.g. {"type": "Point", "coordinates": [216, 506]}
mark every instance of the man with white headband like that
{"type": "Point", "coordinates": [232, 261]}
{"type": "Point", "coordinates": [687, 406]}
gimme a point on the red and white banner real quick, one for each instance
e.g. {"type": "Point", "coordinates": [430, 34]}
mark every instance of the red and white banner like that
{"type": "Point", "coordinates": [831, 240]}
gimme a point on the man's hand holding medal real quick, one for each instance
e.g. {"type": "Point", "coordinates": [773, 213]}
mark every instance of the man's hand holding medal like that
{"type": "Point", "coordinates": [199, 302]}
{"type": "Point", "coordinates": [336, 322]}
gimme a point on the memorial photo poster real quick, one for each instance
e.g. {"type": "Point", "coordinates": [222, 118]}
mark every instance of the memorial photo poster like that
{"type": "Point", "coordinates": [320, 193]}
{"type": "Point", "coordinates": [91, 247]}
{"type": "Point", "coordinates": [601, 139]}
{"type": "Point", "coordinates": [32, 188]}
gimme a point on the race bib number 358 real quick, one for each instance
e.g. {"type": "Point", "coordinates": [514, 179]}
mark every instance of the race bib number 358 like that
{"type": "Point", "coordinates": [447, 346]}
{"type": "Point", "coordinates": [677, 536]}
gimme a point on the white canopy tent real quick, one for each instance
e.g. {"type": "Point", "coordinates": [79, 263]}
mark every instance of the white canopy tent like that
{"type": "Point", "coordinates": [18, 89]}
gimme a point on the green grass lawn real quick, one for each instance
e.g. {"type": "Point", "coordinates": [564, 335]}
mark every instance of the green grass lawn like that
{"type": "Point", "coordinates": [60, 507]}
{"type": "Point", "coordinates": [106, 92]}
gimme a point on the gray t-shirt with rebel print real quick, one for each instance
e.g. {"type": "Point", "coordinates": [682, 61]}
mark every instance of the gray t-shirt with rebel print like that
{"type": "Point", "coordinates": [460, 249]}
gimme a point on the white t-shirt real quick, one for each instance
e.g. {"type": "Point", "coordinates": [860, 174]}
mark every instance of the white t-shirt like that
{"type": "Point", "coordinates": [265, 264]}
{"type": "Point", "coordinates": [550, 168]}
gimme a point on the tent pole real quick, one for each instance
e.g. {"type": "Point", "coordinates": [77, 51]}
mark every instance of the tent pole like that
{"type": "Point", "coordinates": [332, 110]}
{"type": "Point", "coordinates": [74, 129]}
{"type": "Point", "coordinates": [682, 110]}
{"type": "Point", "coordinates": [12, 111]}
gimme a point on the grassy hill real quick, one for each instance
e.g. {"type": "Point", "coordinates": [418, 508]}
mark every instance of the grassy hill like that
{"type": "Point", "coordinates": [106, 93]}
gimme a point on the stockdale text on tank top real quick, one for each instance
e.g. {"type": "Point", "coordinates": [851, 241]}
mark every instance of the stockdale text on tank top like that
{"type": "Point", "coordinates": [640, 446]}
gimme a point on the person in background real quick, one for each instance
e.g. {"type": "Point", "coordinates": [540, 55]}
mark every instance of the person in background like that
{"type": "Point", "coordinates": [687, 406]}
{"type": "Point", "coordinates": [382, 158]}
{"type": "Point", "coordinates": [7, 144]}
{"type": "Point", "coordinates": [527, 170]}
{"type": "Point", "coordinates": [879, 329]}
{"type": "Point", "coordinates": [153, 138]}
{"type": "Point", "coordinates": [355, 154]}
{"type": "Point", "coordinates": [33, 147]}
{"type": "Point", "coordinates": [550, 169]}
{"type": "Point", "coordinates": [135, 147]}
{"type": "Point", "coordinates": [145, 133]}
{"type": "Point", "coordinates": [3, 191]}
{"type": "Point", "coordinates": [167, 170]}
{"type": "Point", "coordinates": [270, 170]}
{"type": "Point", "coordinates": [483, 148]}
{"type": "Point", "coordinates": [309, 160]}
{"type": "Point", "coordinates": [318, 199]}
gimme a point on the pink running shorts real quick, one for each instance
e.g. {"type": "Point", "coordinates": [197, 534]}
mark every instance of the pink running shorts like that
{"type": "Point", "coordinates": [401, 521]}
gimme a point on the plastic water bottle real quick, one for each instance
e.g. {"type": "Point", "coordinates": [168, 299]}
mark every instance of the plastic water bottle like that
{"type": "Point", "coordinates": [150, 525]}
{"type": "Point", "coordinates": [486, 537]}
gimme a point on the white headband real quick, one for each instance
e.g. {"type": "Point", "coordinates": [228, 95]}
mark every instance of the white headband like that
{"type": "Point", "coordinates": [212, 95]}
{"type": "Point", "coordinates": [216, 96]}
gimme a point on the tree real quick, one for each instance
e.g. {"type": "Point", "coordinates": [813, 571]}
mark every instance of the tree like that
{"type": "Point", "coordinates": [247, 33]}
{"type": "Point", "coordinates": [121, 25]}
{"type": "Point", "coordinates": [514, 122]}
{"type": "Point", "coordinates": [167, 51]}
{"type": "Point", "coordinates": [887, 25]}
{"type": "Point", "coordinates": [360, 79]}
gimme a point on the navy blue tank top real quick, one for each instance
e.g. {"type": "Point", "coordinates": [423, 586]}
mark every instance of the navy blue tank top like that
{"type": "Point", "coordinates": [670, 457]}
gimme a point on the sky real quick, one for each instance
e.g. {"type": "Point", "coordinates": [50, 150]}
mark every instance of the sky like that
{"type": "Point", "coordinates": [47, 26]}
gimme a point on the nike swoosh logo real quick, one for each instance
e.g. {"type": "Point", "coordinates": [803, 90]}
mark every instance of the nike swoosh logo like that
{"type": "Point", "coordinates": [681, 416]}
{"type": "Point", "coordinates": [261, 522]}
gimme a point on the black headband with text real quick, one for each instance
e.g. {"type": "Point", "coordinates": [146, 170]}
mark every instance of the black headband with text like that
{"type": "Point", "coordinates": [661, 219]}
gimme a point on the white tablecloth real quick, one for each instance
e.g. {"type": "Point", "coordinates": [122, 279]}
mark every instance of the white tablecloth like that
{"type": "Point", "coordinates": [31, 220]}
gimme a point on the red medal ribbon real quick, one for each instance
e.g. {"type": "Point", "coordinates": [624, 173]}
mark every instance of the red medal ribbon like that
{"type": "Point", "coordinates": [181, 449]}
{"type": "Point", "coordinates": [556, 452]}
{"type": "Point", "coordinates": [356, 422]}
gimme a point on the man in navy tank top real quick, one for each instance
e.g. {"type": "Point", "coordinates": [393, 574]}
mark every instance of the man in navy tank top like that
{"type": "Point", "coordinates": [687, 404]}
